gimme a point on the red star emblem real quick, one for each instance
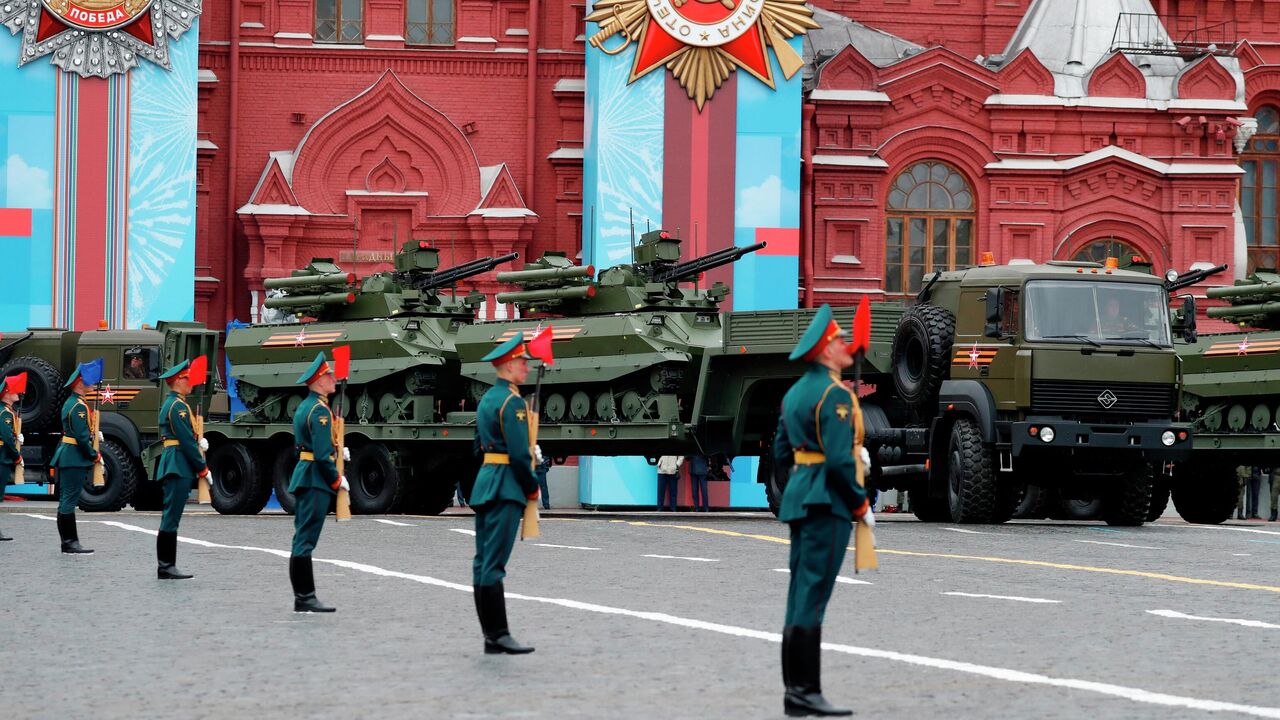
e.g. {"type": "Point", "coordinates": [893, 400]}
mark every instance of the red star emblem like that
{"type": "Point", "coordinates": [1243, 347]}
{"type": "Point", "coordinates": [107, 395]}
{"type": "Point", "coordinates": [973, 357]}
{"type": "Point", "coordinates": [658, 47]}
{"type": "Point", "coordinates": [300, 339]}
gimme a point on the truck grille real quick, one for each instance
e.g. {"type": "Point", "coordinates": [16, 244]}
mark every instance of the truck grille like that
{"type": "Point", "coordinates": [1135, 400]}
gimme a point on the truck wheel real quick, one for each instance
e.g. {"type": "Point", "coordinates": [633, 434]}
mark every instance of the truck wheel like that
{"type": "Point", "coordinates": [1086, 508]}
{"type": "Point", "coordinates": [375, 481]}
{"type": "Point", "coordinates": [1034, 504]}
{"type": "Point", "coordinates": [1205, 494]}
{"type": "Point", "coordinates": [972, 489]}
{"type": "Point", "coordinates": [44, 392]}
{"type": "Point", "coordinates": [281, 473]}
{"type": "Point", "coordinates": [1127, 503]}
{"type": "Point", "coordinates": [148, 496]}
{"type": "Point", "coordinates": [927, 509]}
{"type": "Point", "coordinates": [922, 355]}
{"type": "Point", "coordinates": [238, 488]}
{"type": "Point", "coordinates": [774, 480]}
{"type": "Point", "coordinates": [1159, 498]}
{"type": "Point", "coordinates": [121, 478]}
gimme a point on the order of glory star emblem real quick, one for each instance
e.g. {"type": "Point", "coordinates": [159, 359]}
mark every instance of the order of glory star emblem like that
{"type": "Point", "coordinates": [98, 38]}
{"type": "Point", "coordinates": [107, 395]}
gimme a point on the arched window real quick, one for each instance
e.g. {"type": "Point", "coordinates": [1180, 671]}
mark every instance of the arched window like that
{"type": "Point", "coordinates": [1258, 190]}
{"type": "Point", "coordinates": [339, 21]}
{"type": "Point", "coordinates": [428, 22]}
{"type": "Point", "coordinates": [1099, 250]}
{"type": "Point", "coordinates": [929, 225]}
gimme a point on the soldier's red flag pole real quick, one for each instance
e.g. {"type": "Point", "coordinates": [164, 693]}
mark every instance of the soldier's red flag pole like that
{"type": "Point", "coordinates": [864, 540]}
{"type": "Point", "coordinates": [197, 375]}
{"type": "Point", "coordinates": [18, 384]}
{"type": "Point", "coordinates": [540, 348]}
{"type": "Point", "coordinates": [341, 370]}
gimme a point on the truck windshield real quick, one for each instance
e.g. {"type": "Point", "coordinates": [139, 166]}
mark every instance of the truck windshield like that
{"type": "Point", "coordinates": [1096, 312]}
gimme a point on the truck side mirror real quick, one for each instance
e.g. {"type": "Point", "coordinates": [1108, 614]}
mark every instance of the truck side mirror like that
{"type": "Point", "coordinates": [995, 309]}
{"type": "Point", "coordinates": [1189, 319]}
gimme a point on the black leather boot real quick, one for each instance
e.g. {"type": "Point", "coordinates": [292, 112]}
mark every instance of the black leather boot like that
{"type": "Point", "coordinates": [70, 536]}
{"type": "Point", "coordinates": [804, 670]}
{"type": "Point", "coordinates": [304, 586]}
{"type": "Point", "coordinates": [491, 602]}
{"type": "Point", "coordinates": [6, 538]}
{"type": "Point", "coordinates": [1273, 514]}
{"type": "Point", "coordinates": [167, 554]}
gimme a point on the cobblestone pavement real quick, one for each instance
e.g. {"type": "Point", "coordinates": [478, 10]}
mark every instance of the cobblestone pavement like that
{"type": "Point", "coordinates": [636, 616]}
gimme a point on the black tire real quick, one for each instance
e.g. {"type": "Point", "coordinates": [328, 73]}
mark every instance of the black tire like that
{"type": "Point", "coordinates": [774, 479]}
{"type": "Point", "coordinates": [929, 509]}
{"type": "Point", "coordinates": [1086, 508]}
{"type": "Point", "coordinates": [972, 488]}
{"type": "Point", "coordinates": [922, 356]}
{"type": "Point", "coordinates": [43, 400]}
{"type": "Point", "coordinates": [1159, 498]}
{"type": "Point", "coordinates": [1034, 504]}
{"type": "Point", "coordinates": [238, 487]}
{"type": "Point", "coordinates": [1205, 494]}
{"type": "Point", "coordinates": [376, 485]}
{"type": "Point", "coordinates": [148, 496]}
{"type": "Point", "coordinates": [436, 489]}
{"type": "Point", "coordinates": [122, 473]}
{"type": "Point", "coordinates": [281, 472]}
{"type": "Point", "coordinates": [1127, 502]}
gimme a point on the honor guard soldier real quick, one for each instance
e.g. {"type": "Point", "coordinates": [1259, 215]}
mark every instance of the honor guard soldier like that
{"type": "Point", "coordinates": [822, 497]}
{"type": "Point", "coordinates": [504, 484]}
{"type": "Point", "coordinates": [73, 461]}
{"type": "Point", "coordinates": [181, 462]}
{"type": "Point", "coordinates": [10, 454]}
{"type": "Point", "coordinates": [315, 480]}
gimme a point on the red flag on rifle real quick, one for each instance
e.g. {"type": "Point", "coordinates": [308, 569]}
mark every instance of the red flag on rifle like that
{"type": "Point", "coordinates": [861, 329]}
{"type": "Point", "coordinates": [342, 362]}
{"type": "Point", "coordinates": [198, 373]}
{"type": "Point", "coordinates": [16, 383]}
{"type": "Point", "coordinates": [540, 346]}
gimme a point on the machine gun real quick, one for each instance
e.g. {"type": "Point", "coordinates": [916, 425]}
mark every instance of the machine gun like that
{"type": "Point", "coordinates": [691, 269]}
{"type": "Point", "coordinates": [1193, 277]}
{"type": "Point", "coordinates": [445, 278]}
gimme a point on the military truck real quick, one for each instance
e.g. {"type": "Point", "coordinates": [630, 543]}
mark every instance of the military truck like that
{"type": "Point", "coordinates": [1060, 375]}
{"type": "Point", "coordinates": [129, 398]}
{"type": "Point", "coordinates": [1231, 394]}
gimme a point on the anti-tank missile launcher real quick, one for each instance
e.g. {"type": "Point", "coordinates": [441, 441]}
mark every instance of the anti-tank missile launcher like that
{"type": "Point", "coordinates": [1254, 302]}
{"type": "Point", "coordinates": [628, 342]}
{"type": "Point", "coordinates": [400, 326]}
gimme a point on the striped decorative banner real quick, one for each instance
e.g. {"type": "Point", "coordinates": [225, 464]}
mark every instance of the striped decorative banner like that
{"type": "Point", "coordinates": [1244, 347]}
{"type": "Point", "coordinates": [117, 194]}
{"type": "Point", "coordinates": [64, 199]}
{"type": "Point", "coordinates": [301, 339]}
{"type": "Point", "coordinates": [557, 333]}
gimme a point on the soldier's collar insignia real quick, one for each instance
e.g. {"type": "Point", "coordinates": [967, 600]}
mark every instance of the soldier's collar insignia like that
{"type": "Point", "coordinates": [842, 411]}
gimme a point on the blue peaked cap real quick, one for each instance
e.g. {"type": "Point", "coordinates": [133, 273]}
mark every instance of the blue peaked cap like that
{"type": "Point", "coordinates": [816, 332]}
{"type": "Point", "coordinates": [175, 369]}
{"type": "Point", "coordinates": [312, 369]}
{"type": "Point", "coordinates": [507, 348]}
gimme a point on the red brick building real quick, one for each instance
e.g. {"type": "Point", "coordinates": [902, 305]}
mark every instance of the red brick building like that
{"type": "Point", "coordinates": [934, 130]}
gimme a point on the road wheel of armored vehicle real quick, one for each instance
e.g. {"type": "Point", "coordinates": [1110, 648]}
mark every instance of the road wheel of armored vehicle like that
{"type": "Point", "coordinates": [376, 485]}
{"type": "Point", "coordinates": [281, 472]}
{"type": "Point", "coordinates": [973, 492]}
{"type": "Point", "coordinates": [1159, 498]}
{"type": "Point", "coordinates": [42, 401]}
{"type": "Point", "coordinates": [1129, 499]}
{"type": "Point", "coordinates": [922, 355]}
{"type": "Point", "coordinates": [1203, 493]}
{"type": "Point", "coordinates": [122, 473]}
{"type": "Point", "coordinates": [238, 488]}
{"type": "Point", "coordinates": [774, 479]}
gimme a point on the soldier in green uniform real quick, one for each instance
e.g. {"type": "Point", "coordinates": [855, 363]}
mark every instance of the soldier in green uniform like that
{"type": "Point", "coordinates": [181, 462]}
{"type": "Point", "coordinates": [315, 480]}
{"type": "Point", "coordinates": [10, 457]}
{"type": "Point", "coordinates": [73, 461]}
{"type": "Point", "coordinates": [816, 436]}
{"type": "Point", "coordinates": [504, 483]}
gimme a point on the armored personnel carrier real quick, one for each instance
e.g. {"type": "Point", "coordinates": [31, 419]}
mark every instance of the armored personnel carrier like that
{"type": "Point", "coordinates": [630, 345]}
{"type": "Point", "coordinates": [1231, 392]}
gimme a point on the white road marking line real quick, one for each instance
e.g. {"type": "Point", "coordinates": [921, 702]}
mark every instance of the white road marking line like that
{"type": "Point", "coordinates": [1221, 527]}
{"type": "Point", "coordinates": [967, 532]}
{"type": "Point", "coordinates": [563, 547]}
{"type": "Point", "coordinates": [393, 522]}
{"type": "Point", "coordinates": [38, 517]}
{"type": "Point", "coordinates": [1002, 597]}
{"type": "Point", "coordinates": [996, 673]}
{"type": "Point", "coordinates": [1231, 621]}
{"type": "Point", "coordinates": [472, 533]}
{"type": "Point", "coordinates": [1100, 542]}
{"type": "Point", "coordinates": [678, 557]}
{"type": "Point", "coordinates": [839, 578]}
{"type": "Point", "coordinates": [1241, 554]}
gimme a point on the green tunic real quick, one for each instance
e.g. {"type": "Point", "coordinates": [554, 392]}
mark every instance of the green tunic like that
{"type": "Point", "coordinates": [315, 478]}
{"type": "Point", "coordinates": [499, 496]}
{"type": "Point", "coordinates": [73, 461]}
{"type": "Point", "coordinates": [179, 464]}
{"type": "Point", "coordinates": [9, 453]}
{"type": "Point", "coordinates": [818, 415]}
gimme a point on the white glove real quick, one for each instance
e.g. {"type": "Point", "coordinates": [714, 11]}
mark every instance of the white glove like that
{"type": "Point", "coordinates": [343, 485]}
{"type": "Point", "coordinates": [21, 439]}
{"type": "Point", "coordinates": [204, 445]}
{"type": "Point", "coordinates": [866, 458]}
{"type": "Point", "coordinates": [869, 518]}
{"type": "Point", "coordinates": [346, 454]}
{"type": "Point", "coordinates": [208, 477]}
{"type": "Point", "coordinates": [100, 437]}
{"type": "Point", "coordinates": [537, 454]}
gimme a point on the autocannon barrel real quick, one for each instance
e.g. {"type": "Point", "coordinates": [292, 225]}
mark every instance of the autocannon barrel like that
{"type": "Point", "coordinates": [1242, 290]}
{"type": "Point", "coordinates": [1241, 311]}
{"type": "Point", "coordinates": [1192, 278]}
{"type": "Point", "coordinates": [302, 301]}
{"type": "Point", "coordinates": [686, 270]}
{"type": "Point", "coordinates": [308, 281]}
{"type": "Point", "coordinates": [566, 293]}
{"type": "Point", "coordinates": [545, 274]}
{"type": "Point", "coordinates": [452, 275]}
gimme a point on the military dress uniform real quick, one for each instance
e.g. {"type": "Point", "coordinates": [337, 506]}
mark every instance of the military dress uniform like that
{"type": "Point", "coordinates": [10, 455]}
{"type": "Point", "coordinates": [505, 481]}
{"type": "Point", "coordinates": [816, 435]}
{"type": "Point", "coordinates": [73, 461]}
{"type": "Point", "coordinates": [181, 462]}
{"type": "Point", "coordinates": [314, 485]}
